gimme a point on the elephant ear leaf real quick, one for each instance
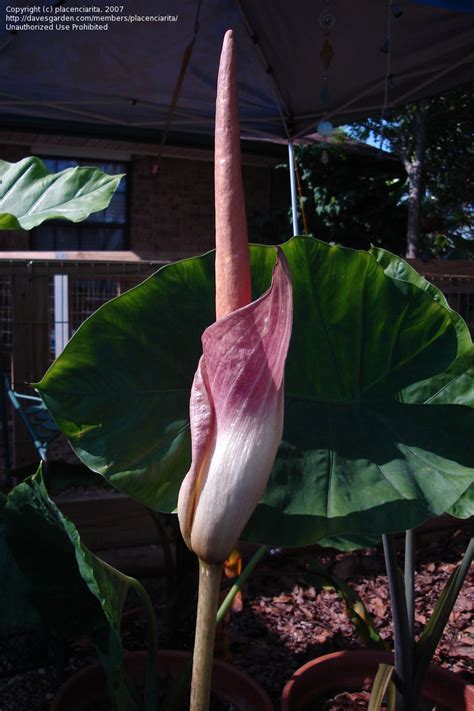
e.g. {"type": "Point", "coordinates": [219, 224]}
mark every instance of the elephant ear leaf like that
{"type": "Point", "coordinates": [379, 401]}
{"type": "Point", "coordinates": [16, 607]}
{"type": "Point", "coordinates": [464, 506]}
{"type": "Point", "coordinates": [30, 194]}
{"type": "Point", "coordinates": [379, 393]}
{"type": "Point", "coordinates": [71, 590]}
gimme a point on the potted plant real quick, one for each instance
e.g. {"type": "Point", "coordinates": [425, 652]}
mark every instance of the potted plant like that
{"type": "Point", "coordinates": [30, 502]}
{"type": "Point", "coordinates": [405, 685]}
{"type": "Point", "coordinates": [41, 554]}
{"type": "Point", "coordinates": [343, 671]}
{"type": "Point", "coordinates": [392, 427]}
{"type": "Point", "coordinates": [378, 400]}
{"type": "Point", "coordinates": [229, 685]}
{"type": "Point", "coordinates": [53, 576]}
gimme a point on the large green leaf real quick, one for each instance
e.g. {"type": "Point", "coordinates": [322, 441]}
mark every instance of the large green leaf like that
{"type": "Point", "coordinates": [71, 590]}
{"type": "Point", "coordinates": [120, 390]}
{"type": "Point", "coordinates": [30, 194]}
{"type": "Point", "coordinates": [379, 393]}
{"type": "Point", "coordinates": [15, 605]}
{"type": "Point", "coordinates": [464, 506]}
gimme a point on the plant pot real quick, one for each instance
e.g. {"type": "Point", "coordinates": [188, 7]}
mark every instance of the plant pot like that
{"type": "Point", "coordinates": [348, 671]}
{"type": "Point", "coordinates": [230, 684]}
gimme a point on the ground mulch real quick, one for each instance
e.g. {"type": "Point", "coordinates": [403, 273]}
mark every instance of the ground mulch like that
{"type": "Point", "coordinates": [285, 621]}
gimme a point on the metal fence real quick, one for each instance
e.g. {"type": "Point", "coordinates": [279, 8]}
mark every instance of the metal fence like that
{"type": "Point", "coordinates": [44, 301]}
{"type": "Point", "coordinates": [6, 318]}
{"type": "Point", "coordinates": [42, 304]}
{"type": "Point", "coordinates": [459, 291]}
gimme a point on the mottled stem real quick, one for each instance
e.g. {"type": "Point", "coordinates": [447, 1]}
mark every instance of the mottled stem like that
{"type": "Point", "coordinates": [208, 598]}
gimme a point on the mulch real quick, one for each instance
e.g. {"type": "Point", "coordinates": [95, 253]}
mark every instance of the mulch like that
{"type": "Point", "coordinates": [284, 622]}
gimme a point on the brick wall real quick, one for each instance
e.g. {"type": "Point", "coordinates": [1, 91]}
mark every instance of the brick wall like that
{"type": "Point", "coordinates": [172, 205]}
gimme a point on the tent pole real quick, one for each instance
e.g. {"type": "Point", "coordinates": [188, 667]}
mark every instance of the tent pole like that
{"type": "Point", "coordinates": [294, 204]}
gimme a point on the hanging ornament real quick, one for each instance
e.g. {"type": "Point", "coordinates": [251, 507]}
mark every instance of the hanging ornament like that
{"type": "Point", "coordinates": [325, 157]}
{"type": "Point", "coordinates": [325, 96]}
{"type": "Point", "coordinates": [397, 10]}
{"type": "Point", "coordinates": [389, 82]}
{"type": "Point", "coordinates": [326, 23]}
{"type": "Point", "coordinates": [326, 54]}
{"type": "Point", "coordinates": [325, 128]}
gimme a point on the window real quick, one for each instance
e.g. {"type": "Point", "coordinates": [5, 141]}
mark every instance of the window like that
{"type": "Point", "coordinates": [104, 230]}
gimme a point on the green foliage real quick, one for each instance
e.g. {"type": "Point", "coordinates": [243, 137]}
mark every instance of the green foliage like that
{"type": "Point", "coordinates": [450, 150]}
{"type": "Point", "coordinates": [54, 577]}
{"type": "Point", "coordinates": [464, 506]}
{"type": "Point", "coordinates": [16, 607]}
{"type": "Point", "coordinates": [354, 199]}
{"type": "Point", "coordinates": [29, 194]}
{"type": "Point", "coordinates": [380, 686]}
{"type": "Point", "coordinates": [448, 124]}
{"type": "Point", "coordinates": [429, 640]}
{"type": "Point", "coordinates": [379, 393]}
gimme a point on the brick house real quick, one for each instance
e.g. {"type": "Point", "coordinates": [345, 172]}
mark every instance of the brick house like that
{"type": "Point", "coordinates": [53, 277]}
{"type": "Point", "coordinates": [169, 207]}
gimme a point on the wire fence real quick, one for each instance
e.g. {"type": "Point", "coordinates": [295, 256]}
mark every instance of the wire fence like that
{"type": "Point", "coordinates": [459, 291]}
{"type": "Point", "coordinates": [88, 295]}
{"type": "Point", "coordinates": [6, 319]}
{"type": "Point", "coordinates": [43, 302]}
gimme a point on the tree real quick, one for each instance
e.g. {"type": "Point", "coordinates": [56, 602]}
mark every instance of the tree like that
{"type": "Point", "coordinates": [434, 141]}
{"type": "Point", "coordinates": [352, 193]}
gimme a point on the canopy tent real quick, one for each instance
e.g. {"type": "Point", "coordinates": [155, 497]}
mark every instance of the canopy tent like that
{"type": "Point", "coordinates": [125, 76]}
{"type": "Point", "coordinates": [300, 62]}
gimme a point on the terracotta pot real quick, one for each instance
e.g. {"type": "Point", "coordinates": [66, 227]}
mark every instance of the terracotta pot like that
{"type": "Point", "coordinates": [230, 684]}
{"type": "Point", "coordinates": [348, 671]}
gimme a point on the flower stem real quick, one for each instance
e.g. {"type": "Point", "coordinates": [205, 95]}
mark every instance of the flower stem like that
{"type": "Point", "coordinates": [208, 598]}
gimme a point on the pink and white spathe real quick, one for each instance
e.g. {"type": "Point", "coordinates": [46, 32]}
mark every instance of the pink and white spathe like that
{"type": "Point", "coordinates": [236, 413]}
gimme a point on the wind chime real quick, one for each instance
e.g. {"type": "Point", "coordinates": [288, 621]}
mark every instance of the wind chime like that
{"type": "Point", "coordinates": [394, 11]}
{"type": "Point", "coordinates": [327, 22]}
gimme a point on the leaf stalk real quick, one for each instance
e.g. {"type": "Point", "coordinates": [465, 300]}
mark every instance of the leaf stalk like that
{"type": "Point", "coordinates": [152, 646]}
{"type": "Point", "coordinates": [236, 587]}
{"type": "Point", "coordinates": [401, 635]}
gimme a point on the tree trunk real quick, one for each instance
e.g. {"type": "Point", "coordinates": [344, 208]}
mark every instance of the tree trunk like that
{"type": "Point", "coordinates": [415, 170]}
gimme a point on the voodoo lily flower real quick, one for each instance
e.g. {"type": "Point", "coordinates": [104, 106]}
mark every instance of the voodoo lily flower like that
{"type": "Point", "coordinates": [236, 419]}
{"type": "Point", "coordinates": [236, 407]}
